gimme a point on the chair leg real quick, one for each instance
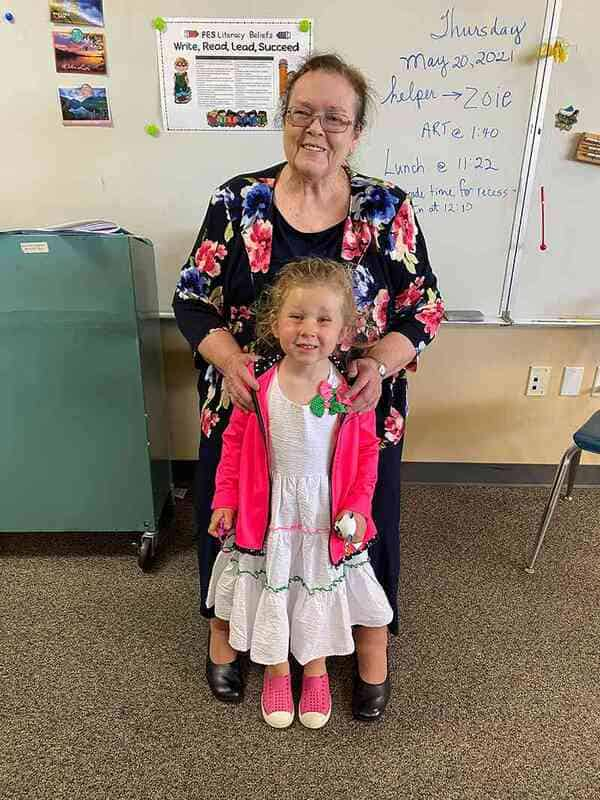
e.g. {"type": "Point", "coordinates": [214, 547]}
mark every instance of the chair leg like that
{"type": "Point", "coordinates": [553, 500]}
{"type": "Point", "coordinates": [572, 473]}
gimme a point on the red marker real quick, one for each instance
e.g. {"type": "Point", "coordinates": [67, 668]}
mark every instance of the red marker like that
{"type": "Point", "coordinates": [543, 245]}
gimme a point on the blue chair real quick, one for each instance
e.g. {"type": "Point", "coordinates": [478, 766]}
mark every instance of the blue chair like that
{"type": "Point", "coordinates": [586, 438]}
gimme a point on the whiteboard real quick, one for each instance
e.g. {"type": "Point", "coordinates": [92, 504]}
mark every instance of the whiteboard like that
{"type": "Point", "coordinates": [563, 281]}
{"type": "Point", "coordinates": [456, 85]}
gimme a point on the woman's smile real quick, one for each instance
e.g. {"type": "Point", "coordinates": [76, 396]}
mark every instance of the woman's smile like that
{"type": "Point", "coordinates": [313, 147]}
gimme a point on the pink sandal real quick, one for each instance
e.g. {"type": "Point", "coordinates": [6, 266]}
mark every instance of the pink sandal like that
{"type": "Point", "coordinates": [315, 701]}
{"type": "Point", "coordinates": [276, 701]}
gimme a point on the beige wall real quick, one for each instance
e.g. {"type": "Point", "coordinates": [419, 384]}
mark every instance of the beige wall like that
{"type": "Point", "coordinates": [467, 401]}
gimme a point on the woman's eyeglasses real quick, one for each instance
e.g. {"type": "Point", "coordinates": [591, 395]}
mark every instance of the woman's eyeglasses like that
{"type": "Point", "coordinates": [330, 121]}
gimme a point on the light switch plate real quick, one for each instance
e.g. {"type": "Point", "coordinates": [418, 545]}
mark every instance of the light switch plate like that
{"type": "Point", "coordinates": [596, 384]}
{"type": "Point", "coordinates": [571, 381]}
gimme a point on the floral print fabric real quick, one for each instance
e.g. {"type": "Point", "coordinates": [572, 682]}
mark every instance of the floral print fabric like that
{"type": "Point", "coordinates": [230, 264]}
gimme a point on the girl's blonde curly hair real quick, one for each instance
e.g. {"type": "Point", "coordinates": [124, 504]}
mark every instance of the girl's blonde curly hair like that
{"type": "Point", "coordinates": [301, 273]}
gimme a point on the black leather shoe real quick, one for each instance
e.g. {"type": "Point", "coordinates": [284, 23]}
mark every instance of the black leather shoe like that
{"type": "Point", "coordinates": [225, 680]}
{"type": "Point", "coordinates": [369, 700]}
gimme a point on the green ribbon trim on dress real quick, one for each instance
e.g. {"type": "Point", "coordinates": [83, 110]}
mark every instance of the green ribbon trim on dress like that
{"type": "Point", "coordinates": [258, 573]}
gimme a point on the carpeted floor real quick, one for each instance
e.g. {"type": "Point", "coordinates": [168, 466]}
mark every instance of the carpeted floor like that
{"type": "Point", "coordinates": [495, 673]}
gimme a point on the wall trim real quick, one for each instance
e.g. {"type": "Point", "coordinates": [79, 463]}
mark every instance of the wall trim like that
{"type": "Point", "coordinates": [494, 474]}
{"type": "Point", "coordinates": [460, 473]}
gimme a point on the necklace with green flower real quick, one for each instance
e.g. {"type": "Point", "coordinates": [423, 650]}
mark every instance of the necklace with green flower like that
{"type": "Point", "coordinates": [329, 399]}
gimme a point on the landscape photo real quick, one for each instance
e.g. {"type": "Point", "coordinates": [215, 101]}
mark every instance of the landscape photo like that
{"type": "Point", "coordinates": [84, 105]}
{"type": "Point", "coordinates": [77, 12]}
{"type": "Point", "coordinates": [86, 55]}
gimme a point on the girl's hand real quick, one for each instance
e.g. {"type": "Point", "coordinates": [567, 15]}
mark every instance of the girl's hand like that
{"type": "Point", "coordinates": [224, 516]}
{"type": "Point", "coordinates": [366, 390]}
{"type": "Point", "coordinates": [361, 526]}
{"type": "Point", "coordinates": [239, 381]}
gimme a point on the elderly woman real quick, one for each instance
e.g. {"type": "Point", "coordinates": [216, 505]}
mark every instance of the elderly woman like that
{"type": "Point", "coordinates": [312, 204]}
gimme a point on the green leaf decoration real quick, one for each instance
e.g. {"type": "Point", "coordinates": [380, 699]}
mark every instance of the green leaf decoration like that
{"type": "Point", "coordinates": [337, 408]}
{"type": "Point", "coordinates": [228, 232]}
{"type": "Point", "coordinates": [317, 405]}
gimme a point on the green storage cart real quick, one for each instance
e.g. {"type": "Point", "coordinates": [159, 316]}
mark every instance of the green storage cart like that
{"type": "Point", "coordinates": [83, 427]}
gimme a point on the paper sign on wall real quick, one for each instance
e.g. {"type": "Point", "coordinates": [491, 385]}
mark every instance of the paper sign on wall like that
{"type": "Point", "coordinates": [227, 75]}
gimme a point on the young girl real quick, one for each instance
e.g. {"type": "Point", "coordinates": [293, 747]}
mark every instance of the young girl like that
{"type": "Point", "coordinates": [294, 479]}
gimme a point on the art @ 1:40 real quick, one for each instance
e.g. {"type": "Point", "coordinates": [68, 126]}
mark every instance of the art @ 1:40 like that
{"type": "Point", "coordinates": [447, 128]}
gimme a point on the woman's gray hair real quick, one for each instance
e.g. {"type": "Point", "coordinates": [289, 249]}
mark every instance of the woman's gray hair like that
{"type": "Point", "coordinates": [335, 65]}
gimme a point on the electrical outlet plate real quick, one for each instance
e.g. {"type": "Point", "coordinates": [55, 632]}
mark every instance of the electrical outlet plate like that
{"type": "Point", "coordinates": [537, 383]}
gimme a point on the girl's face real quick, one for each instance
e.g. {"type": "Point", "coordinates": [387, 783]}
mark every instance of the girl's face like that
{"type": "Point", "coordinates": [312, 152]}
{"type": "Point", "coordinates": [310, 323]}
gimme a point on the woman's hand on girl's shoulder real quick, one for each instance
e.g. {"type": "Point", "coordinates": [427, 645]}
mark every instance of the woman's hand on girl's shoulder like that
{"type": "Point", "coordinates": [239, 380]}
{"type": "Point", "coordinates": [221, 522]}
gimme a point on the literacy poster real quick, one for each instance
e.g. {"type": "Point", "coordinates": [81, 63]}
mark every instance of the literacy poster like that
{"type": "Point", "coordinates": [228, 75]}
{"type": "Point", "coordinates": [77, 12]}
{"type": "Point", "coordinates": [85, 105]}
{"type": "Point", "coordinates": [75, 51]}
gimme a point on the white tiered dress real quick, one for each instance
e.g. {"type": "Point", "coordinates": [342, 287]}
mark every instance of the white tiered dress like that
{"type": "Point", "coordinates": [292, 599]}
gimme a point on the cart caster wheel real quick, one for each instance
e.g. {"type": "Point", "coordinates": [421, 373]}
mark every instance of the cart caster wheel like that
{"type": "Point", "coordinates": [144, 554]}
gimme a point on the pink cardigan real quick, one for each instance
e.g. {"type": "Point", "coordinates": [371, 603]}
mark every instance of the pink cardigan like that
{"type": "Point", "coordinates": [243, 476]}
